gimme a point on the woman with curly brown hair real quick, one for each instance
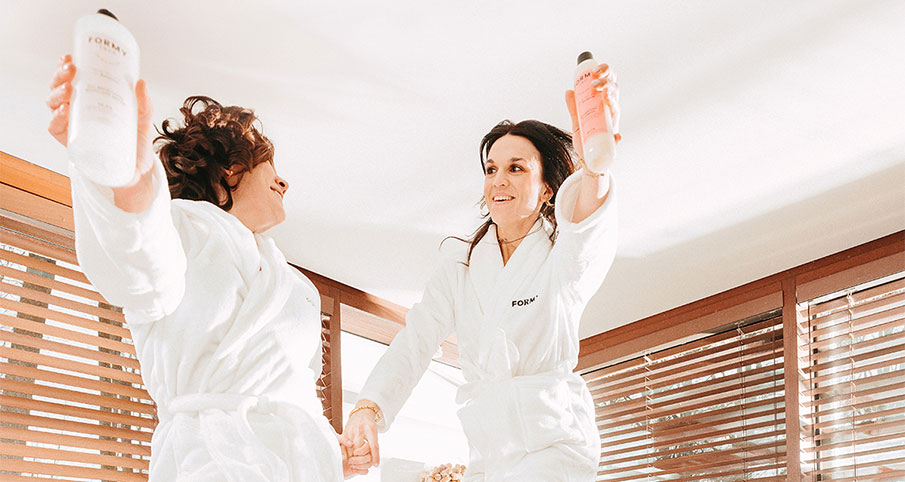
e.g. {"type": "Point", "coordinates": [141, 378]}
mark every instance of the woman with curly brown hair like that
{"type": "Point", "coordinates": [227, 333]}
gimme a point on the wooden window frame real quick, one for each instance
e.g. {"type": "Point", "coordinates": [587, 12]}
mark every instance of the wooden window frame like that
{"type": "Point", "coordinates": [869, 261]}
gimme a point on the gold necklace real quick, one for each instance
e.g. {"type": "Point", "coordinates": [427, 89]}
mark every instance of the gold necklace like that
{"type": "Point", "coordinates": [510, 241]}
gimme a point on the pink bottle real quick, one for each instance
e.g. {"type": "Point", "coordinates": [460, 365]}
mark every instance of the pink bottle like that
{"type": "Point", "coordinates": [594, 119]}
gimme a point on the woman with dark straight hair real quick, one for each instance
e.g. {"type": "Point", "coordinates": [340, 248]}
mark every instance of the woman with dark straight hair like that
{"type": "Point", "coordinates": [513, 293]}
{"type": "Point", "coordinates": [227, 333]}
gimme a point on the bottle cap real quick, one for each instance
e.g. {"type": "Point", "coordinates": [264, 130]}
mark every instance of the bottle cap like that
{"type": "Point", "coordinates": [584, 56]}
{"type": "Point", "coordinates": [108, 13]}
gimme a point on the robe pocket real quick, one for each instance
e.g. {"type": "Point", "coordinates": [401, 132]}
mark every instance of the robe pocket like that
{"type": "Point", "coordinates": [546, 415]}
{"type": "Point", "coordinates": [491, 423]}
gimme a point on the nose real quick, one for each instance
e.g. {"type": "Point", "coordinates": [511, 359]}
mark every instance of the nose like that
{"type": "Point", "coordinates": [500, 179]}
{"type": "Point", "coordinates": [284, 185]}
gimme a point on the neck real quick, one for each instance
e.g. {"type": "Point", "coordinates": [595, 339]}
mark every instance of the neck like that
{"type": "Point", "coordinates": [245, 219]}
{"type": "Point", "coordinates": [511, 235]}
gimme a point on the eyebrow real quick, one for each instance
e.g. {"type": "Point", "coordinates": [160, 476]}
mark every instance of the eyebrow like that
{"type": "Point", "coordinates": [513, 159]}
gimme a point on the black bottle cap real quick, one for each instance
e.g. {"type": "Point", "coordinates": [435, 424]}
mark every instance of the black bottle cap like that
{"type": "Point", "coordinates": [108, 13]}
{"type": "Point", "coordinates": [584, 56]}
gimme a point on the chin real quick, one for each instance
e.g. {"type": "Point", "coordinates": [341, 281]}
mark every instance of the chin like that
{"type": "Point", "coordinates": [279, 220]}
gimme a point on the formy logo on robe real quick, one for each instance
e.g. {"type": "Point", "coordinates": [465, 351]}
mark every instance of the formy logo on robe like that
{"type": "Point", "coordinates": [524, 302]}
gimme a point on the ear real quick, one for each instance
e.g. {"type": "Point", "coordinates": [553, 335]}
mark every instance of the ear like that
{"type": "Point", "coordinates": [548, 193]}
{"type": "Point", "coordinates": [233, 169]}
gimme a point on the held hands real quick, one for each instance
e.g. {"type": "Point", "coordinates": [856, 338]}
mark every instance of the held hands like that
{"type": "Point", "coordinates": [360, 437]}
{"type": "Point", "coordinates": [59, 99]}
{"type": "Point", "coordinates": [604, 82]}
{"type": "Point", "coordinates": [353, 458]}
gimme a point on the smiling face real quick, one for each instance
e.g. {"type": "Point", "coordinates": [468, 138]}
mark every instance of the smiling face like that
{"type": "Point", "coordinates": [514, 189]}
{"type": "Point", "coordinates": [258, 199]}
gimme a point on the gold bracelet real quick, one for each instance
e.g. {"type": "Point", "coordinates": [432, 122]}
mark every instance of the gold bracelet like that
{"type": "Point", "coordinates": [367, 407]}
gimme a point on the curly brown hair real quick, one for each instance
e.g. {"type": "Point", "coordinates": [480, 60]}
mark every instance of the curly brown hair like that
{"type": "Point", "coordinates": [197, 151]}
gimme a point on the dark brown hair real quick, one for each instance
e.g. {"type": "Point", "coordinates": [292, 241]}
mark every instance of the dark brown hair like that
{"type": "Point", "coordinates": [210, 139]}
{"type": "Point", "coordinates": [555, 148]}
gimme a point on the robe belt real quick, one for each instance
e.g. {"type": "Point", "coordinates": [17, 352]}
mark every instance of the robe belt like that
{"type": "Point", "coordinates": [477, 388]}
{"type": "Point", "coordinates": [228, 434]}
{"type": "Point", "coordinates": [228, 402]}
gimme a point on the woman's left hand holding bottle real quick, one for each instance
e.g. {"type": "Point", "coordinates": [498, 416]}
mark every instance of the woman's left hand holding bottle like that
{"type": "Point", "coordinates": [138, 194]}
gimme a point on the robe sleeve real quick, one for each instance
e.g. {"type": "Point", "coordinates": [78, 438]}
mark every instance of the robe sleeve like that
{"type": "Point", "coordinates": [135, 260]}
{"type": "Point", "coordinates": [427, 324]}
{"type": "Point", "coordinates": [584, 251]}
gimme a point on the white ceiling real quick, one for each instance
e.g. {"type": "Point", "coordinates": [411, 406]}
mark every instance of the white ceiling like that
{"type": "Point", "coordinates": [759, 135]}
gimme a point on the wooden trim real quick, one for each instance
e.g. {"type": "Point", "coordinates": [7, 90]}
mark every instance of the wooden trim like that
{"type": "Point", "coordinates": [372, 317]}
{"type": "Point", "coordinates": [617, 344]}
{"type": "Point", "coordinates": [35, 179]}
{"type": "Point", "coordinates": [791, 382]}
{"type": "Point", "coordinates": [22, 202]}
{"type": "Point", "coordinates": [35, 245]}
{"type": "Point", "coordinates": [652, 331]}
{"type": "Point", "coordinates": [853, 276]}
{"type": "Point", "coordinates": [336, 382]}
{"type": "Point", "coordinates": [356, 298]}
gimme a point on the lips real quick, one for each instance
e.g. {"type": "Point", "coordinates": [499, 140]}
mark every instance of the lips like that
{"type": "Point", "coordinates": [501, 198]}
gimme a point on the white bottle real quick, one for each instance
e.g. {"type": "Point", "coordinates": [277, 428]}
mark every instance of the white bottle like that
{"type": "Point", "coordinates": [594, 119]}
{"type": "Point", "coordinates": [102, 118]}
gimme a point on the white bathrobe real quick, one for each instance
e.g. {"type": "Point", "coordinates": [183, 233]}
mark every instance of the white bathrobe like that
{"type": "Point", "coordinates": [227, 333]}
{"type": "Point", "coordinates": [526, 415]}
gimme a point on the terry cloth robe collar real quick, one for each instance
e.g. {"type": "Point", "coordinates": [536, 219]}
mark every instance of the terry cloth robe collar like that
{"type": "Point", "coordinates": [265, 271]}
{"type": "Point", "coordinates": [495, 287]}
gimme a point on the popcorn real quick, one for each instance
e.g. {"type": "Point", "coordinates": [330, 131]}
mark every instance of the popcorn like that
{"type": "Point", "coordinates": [444, 473]}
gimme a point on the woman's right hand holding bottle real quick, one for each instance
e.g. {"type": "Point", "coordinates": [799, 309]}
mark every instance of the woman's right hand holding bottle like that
{"type": "Point", "coordinates": [138, 194]}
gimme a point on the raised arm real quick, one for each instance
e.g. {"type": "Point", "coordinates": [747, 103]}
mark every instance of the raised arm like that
{"type": "Point", "coordinates": [125, 238]}
{"type": "Point", "coordinates": [594, 188]}
{"type": "Point", "coordinates": [586, 210]}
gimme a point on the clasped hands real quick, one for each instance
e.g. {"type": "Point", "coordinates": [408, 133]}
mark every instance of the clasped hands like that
{"type": "Point", "coordinates": [358, 442]}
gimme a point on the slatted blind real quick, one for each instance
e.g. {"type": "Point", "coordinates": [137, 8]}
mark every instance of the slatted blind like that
{"type": "Point", "coordinates": [707, 410]}
{"type": "Point", "coordinates": [855, 362]}
{"type": "Point", "coordinates": [72, 403]}
{"type": "Point", "coordinates": [326, 388]}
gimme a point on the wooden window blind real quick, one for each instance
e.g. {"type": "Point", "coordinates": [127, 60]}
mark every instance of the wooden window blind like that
{"type": "Point", "coordinates": [72, 402]}
{"type": "Point", "coordinates": [796, 377]}
{"type": "Point", "coordinates": [854, 361]}
{"type": "Point", "coordinates": [707, 410]}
